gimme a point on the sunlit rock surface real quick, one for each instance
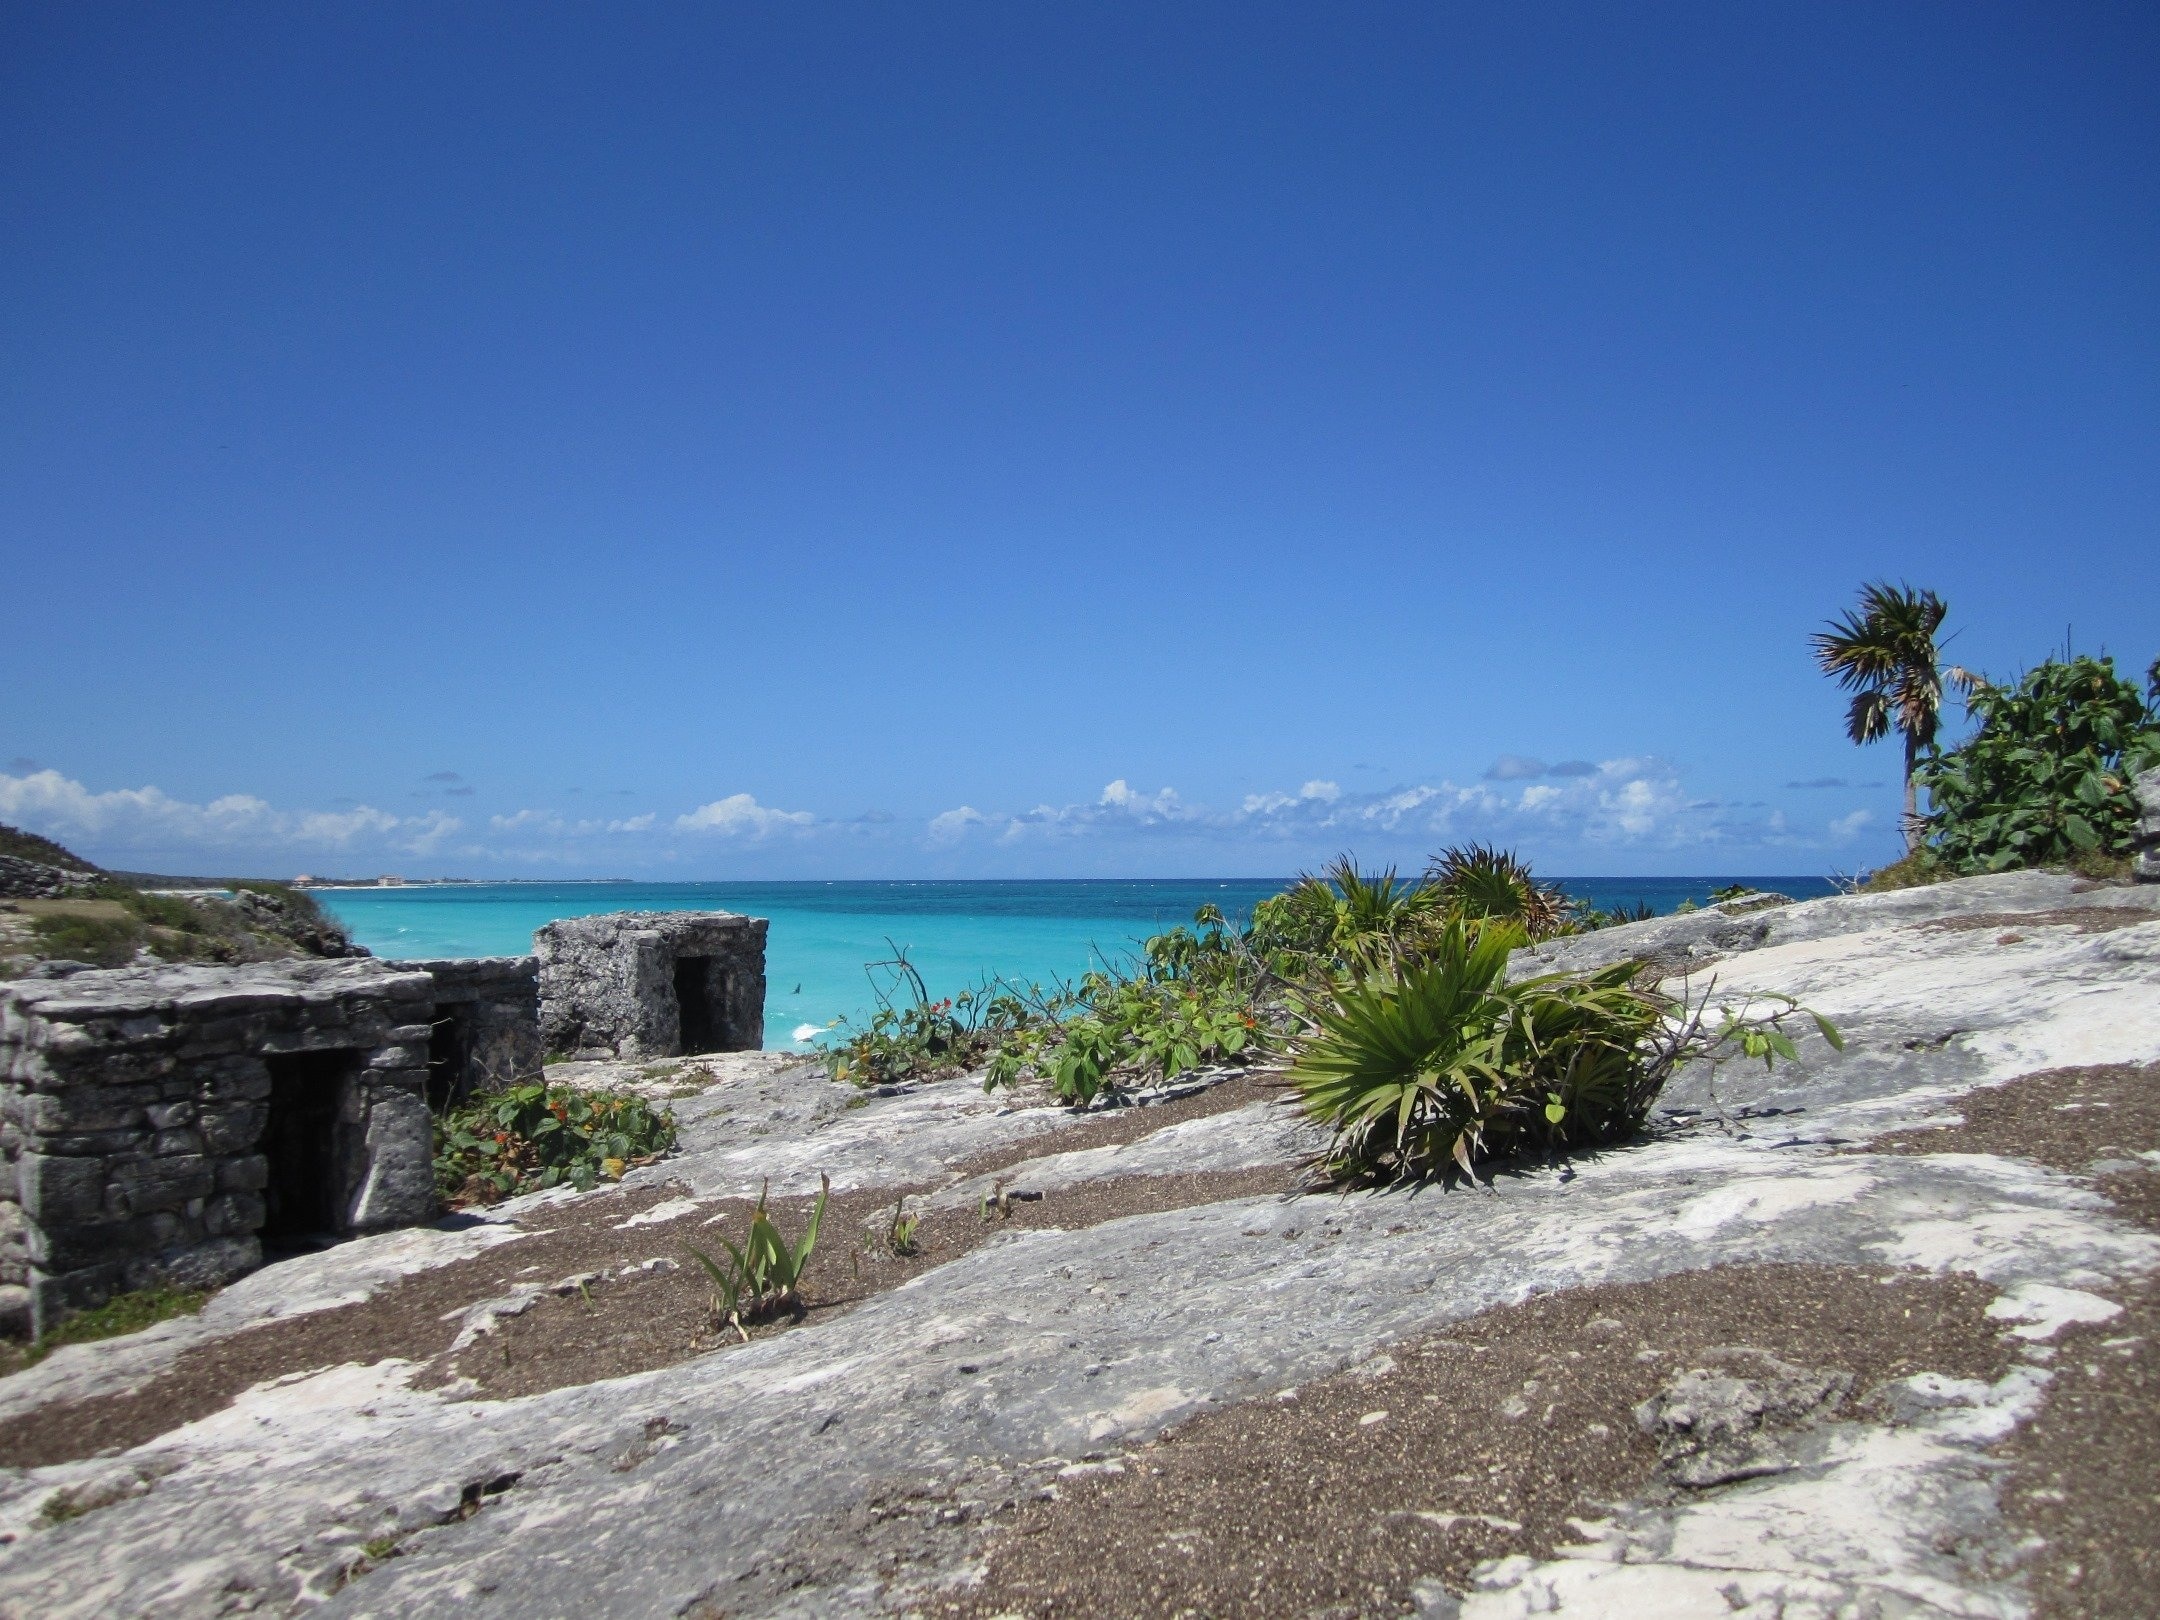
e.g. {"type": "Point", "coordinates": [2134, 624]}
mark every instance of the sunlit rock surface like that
{"type": "Point", "coordinates": [739, 1479]}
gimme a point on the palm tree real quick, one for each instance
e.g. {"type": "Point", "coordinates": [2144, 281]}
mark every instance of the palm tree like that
{"type": "Point", "coordinates": [1883, 652]}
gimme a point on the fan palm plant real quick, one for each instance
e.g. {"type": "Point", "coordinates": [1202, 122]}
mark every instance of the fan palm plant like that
{"type": "Point", "coordinates": [1393, 1065]}
{"type": "Point", "coordinates": [1479, 881]}
{"type": "Point", "coordinates": [1883, 651]}
{"type": "Point", "coordinates": [1423, 1069]}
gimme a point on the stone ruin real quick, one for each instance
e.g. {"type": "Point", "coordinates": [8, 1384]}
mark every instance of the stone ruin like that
{"type": "Point", "coordinates": [179, 1124]}
{"type": "Point", "coordinates": [643, 984]}
{"type": "Point", "coordinates": [169, 1124]}
{"type": "Point", "coordinates": [484, 1034]}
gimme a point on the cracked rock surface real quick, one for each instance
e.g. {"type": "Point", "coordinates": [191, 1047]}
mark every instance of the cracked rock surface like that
{"type": "Point", "coordinates": [862, 1464]}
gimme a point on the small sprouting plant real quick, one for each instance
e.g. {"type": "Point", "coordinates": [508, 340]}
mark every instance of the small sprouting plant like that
{"type": "Point", "coordinates": [763, 1277]}
{"type": "Point", "coordinates": [900, 1234]}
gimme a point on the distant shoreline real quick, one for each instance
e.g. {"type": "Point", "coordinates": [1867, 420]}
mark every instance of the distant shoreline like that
{"type": "Point", "coordinates": [375, 886]}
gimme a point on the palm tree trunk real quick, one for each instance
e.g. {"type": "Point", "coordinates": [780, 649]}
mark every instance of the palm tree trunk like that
{"type": "Point", "coordinates": [1912, 795]}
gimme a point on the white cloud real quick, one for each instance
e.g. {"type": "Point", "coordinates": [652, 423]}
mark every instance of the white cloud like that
{"type": "Point", "coordinates": [951, 824]}
{"type": "Point", "coordinates": [148, 818]}
{"type": "Point", "coordinates": [1846, 828]}
{"type": "Point", "coordinates": [1311, 793]}
{"type": "Point", "coordinates": [1119, 799]}
{"type": "Point", "coordinates": [1630, 801]}
{"type": "Point", "coordinates": [739, 815]}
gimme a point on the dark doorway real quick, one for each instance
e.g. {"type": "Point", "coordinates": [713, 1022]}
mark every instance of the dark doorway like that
{"type": "Point", "coordinates": [697, 1007]}
{"type": "Point", "coordinates": [299, 1140]}
{"type": "Point", "coordinates": [449, 1053]}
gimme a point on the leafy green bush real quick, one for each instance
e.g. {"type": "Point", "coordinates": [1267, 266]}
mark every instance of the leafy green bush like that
{"type": "Point", "coordinates": [1425, 1068]}
{"type": "Point", "coordinates": [100, 941]}
{"type": "Point", "coordinates": [1343, 919]}
{"type": "Point", "coordinates": [2046, 779]}
{"type": "Point", "coordinates": [1130, 1028]}
{"type": "Point", "coordinates": [1205, 994]}
{"type": "Point", "coordinates": [29, 846]}
{"type": "Point", "coordinates": [764, 1276]}
{"type": "Point", "coordinates": [910, 1037]}
{"type": "Point", "coordinates": [533, 1137]}
{"type": "Point", "coordinates": [1194, 999]}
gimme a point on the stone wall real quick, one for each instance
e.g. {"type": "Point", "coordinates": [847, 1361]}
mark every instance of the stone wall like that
{"type": "Point", "coordinates": [485, 1031]}
{"type": "Point", "coordinates": [2148, 844]}
{"type": "Point", "coordinates": [652, 983]}
{"type": "Point", "coordinates": [34, 880]}
{"type": "Point", "coordinates": [157, 1120]}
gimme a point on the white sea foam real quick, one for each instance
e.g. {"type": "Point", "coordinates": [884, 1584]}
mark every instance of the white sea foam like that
{"type": "Point", "coordinates": [807, 1032]}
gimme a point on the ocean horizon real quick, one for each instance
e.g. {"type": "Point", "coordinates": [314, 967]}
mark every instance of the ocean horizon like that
{"type": "Point", "coordinates": [828, 938]}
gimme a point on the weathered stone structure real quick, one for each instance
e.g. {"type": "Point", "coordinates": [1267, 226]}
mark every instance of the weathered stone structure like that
{"type": "Point", "coordinates": [652, 983]}
{"type": "Point", "coordinates": [484, 1034]}
{"type": "Point", "coordinates": [167, 1124]}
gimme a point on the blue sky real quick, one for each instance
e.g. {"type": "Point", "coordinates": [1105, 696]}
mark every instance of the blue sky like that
{"type": "Point", "coordinates": [1045, 440]}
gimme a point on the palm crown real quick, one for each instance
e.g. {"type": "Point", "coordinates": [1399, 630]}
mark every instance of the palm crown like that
{"type": "Point", "coordinates": [1883, 651]}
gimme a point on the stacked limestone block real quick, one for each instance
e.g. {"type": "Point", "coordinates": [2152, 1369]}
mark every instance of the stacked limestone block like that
{"type": "Point", "coordinates": [486, 1024]}
{"type": "Point", "coordinates": [133, 1104]}
{"type": "Point", "coordinates": [609, 984]}
{"type": "Point", "coordinates": [2148, 845]}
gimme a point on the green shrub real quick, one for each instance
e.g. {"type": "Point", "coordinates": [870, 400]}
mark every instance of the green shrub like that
{"type": "Point", "coordinates": [764, 1276]}
{"type": "Point", "coordinates": [100, 941]}
{"type": "Point", "coordinates": [28, 846]}
{"type": "Point", "coordinates": [909, 1037]}
{"type": "Point", "coordinates": [1425, 1068]}
{"type": "Point", "coordinates": [1477, 881]}
{"type": "Point", "coordinates": [1194, 999]}
{"type": "Point", "coordinates": [2046, 779]}
{"type": "Point", "coordinates": [1343, 919]}
{"type": "Point", "coordinates": [533, 1137]}
{"type": "Point", "coordinates": [1205, 994]}
{"type": "Point", "coordinates": [1915, 871]}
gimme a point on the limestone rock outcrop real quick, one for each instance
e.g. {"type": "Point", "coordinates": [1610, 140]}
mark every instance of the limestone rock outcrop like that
{"type": "Point", "coordinates": [852, 1464]}
{"type": "Point", "coordinates": [2148, 845]}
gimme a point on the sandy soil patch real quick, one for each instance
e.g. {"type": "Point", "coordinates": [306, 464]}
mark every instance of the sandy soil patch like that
{"type": "Point", "coordinates": [1468, 1445]}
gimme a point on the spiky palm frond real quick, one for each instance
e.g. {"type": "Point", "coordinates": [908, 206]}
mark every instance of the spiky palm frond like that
{"type": "Point", "coordinates": [1480, 881]}
{"type": "Point", "coordinates": [1394, 1062]}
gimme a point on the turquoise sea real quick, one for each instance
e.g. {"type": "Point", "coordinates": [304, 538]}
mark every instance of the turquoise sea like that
{"type": "Point", "coordinates": [826, 937]}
